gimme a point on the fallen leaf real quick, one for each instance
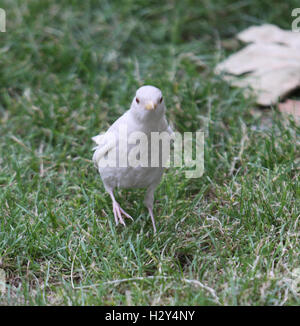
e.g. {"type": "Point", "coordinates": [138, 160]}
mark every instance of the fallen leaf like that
{"type": "Point", "coordinates": [268, 69]}
{"type": "Point", "coordinates": [230, 44]}
{"type": "Point", "coordinates": [291, 107]}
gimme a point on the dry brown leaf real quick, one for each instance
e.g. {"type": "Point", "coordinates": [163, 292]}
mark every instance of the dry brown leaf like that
{"type": "Point", "coordinates": [230, 44]}
{"type": "Point", "coordinates": [291, 107]}
{"type": "Point", "coordinates": [273, 69]}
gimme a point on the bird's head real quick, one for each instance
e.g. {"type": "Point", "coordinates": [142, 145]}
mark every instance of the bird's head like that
{"type": "Point", "coordinates": [148, 102]}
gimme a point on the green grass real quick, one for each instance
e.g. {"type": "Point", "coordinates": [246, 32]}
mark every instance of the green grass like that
{"type": "Point", "coordinates": [68, 69]}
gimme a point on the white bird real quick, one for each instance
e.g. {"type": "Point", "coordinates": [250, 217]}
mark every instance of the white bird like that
{"type": "Point", "coordinates": [146, 115]}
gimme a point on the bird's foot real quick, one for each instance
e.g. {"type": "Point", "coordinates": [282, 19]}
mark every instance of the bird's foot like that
{"type": "Point", "coordinates": [118, 211]}
{"type": "Point", "coordinates": [152, 219]}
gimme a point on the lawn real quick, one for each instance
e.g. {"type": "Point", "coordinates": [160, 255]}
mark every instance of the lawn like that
{"type": "Point", "coordinates": [69, 69]}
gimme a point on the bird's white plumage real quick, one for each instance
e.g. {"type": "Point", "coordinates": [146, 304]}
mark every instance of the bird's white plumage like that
{"type": "Point", "coordinates": [146, 115]}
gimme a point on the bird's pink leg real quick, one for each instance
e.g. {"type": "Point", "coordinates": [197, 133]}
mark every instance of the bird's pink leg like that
{"type": "Point", "coordinates": [118, 211]}
{"type": "Point", "coordinates": [152, 218]}
{"type": "Point", "coordinates": [115, 214]}
{"type": "Point", "coordinates": [148, 201]}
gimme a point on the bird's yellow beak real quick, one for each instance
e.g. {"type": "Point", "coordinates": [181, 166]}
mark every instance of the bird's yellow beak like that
{"type": "Point", "coordinates": [150, 106]}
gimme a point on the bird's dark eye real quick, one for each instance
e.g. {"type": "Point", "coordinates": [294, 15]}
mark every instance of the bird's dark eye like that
{"type": "Point", "coordinates": [137, 100]}
{"type": "Point", "coordinates": [160, 100]}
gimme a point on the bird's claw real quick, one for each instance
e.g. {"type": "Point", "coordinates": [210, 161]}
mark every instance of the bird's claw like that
{"type": "Point", "coordinates": [118, 211]}
{"type": "Point", "coordinates": [127, 215]}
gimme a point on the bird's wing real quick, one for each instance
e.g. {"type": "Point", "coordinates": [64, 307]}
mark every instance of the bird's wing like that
{"type": "Point", "coordinates": [107, 141]}
{"type": "Point", "coordinates": [104, 145]}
